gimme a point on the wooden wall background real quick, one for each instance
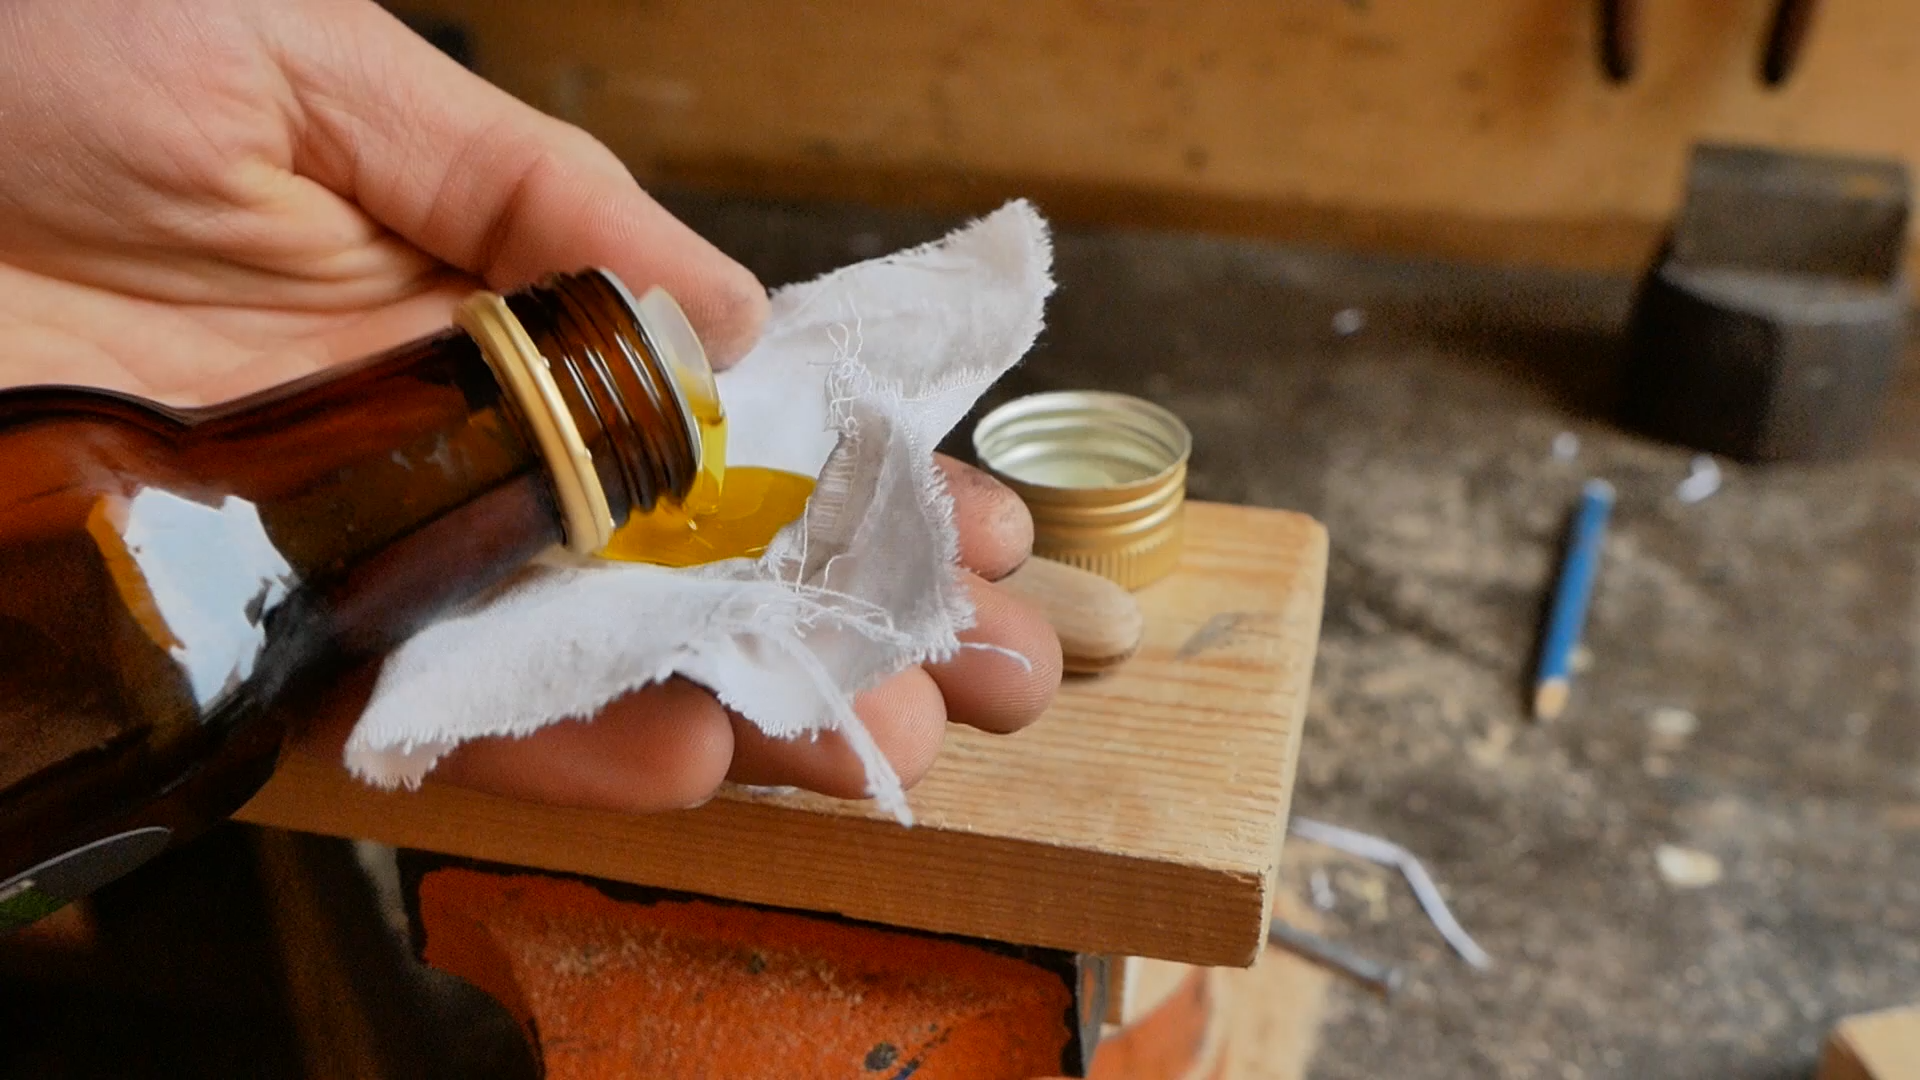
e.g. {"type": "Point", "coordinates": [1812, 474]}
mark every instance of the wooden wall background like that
{"type": "Point", "coordinates": [1473, 128]}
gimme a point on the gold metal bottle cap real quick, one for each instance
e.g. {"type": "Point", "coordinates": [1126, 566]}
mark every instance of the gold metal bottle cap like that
{"type": "Point", "coordinates": [1105, 476]}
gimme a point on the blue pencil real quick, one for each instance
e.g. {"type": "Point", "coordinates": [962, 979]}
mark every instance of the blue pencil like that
{"type": "Point", "coordinates": [1570, 597]}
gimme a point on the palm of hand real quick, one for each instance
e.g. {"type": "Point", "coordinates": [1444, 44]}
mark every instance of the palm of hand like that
{"type": "Point", "coordinates": [166, 245]}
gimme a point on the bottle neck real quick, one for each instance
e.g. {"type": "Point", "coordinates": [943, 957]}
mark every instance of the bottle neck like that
{"type": "Point", "coordinates": [617, 389]}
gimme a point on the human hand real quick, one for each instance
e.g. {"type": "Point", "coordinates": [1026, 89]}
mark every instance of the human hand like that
{"type": "Point", "coordinates": [202, 198]}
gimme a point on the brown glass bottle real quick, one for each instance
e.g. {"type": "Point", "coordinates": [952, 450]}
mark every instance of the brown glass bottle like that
{"type": "Point", "coordinates": [171, 581]}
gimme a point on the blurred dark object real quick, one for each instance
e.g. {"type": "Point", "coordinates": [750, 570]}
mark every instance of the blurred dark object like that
{"type": "Point", "coordinates": [1786, 40]}
{"type": "Point", "coordinates": [249, 953]}
{"type": "Point", "coordinates": [450, 36]}
{"type": "Point", "coordinates": [361, 1008]}
{"type": "Point", "coordinates": [1619, 38]}
{"type": "Point", "coordinates": [1773, 320]}
{"type": "Point", "coordinates": [168, 973]}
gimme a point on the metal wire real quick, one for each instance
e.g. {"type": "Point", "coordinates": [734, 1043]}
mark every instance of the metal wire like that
{"type": "Point", "coordinates": [1387, 853]}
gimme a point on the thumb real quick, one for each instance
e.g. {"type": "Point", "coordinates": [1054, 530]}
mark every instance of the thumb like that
{"type": "Point", "coordinates": [484, 182]}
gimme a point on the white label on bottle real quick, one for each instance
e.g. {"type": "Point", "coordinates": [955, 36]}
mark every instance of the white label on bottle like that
{"type": "Point", "coordinates": [214, 575]}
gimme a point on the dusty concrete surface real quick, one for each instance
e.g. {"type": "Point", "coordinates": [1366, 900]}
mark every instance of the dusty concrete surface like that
{"type": "Point", "coordinates": [1780, 614]}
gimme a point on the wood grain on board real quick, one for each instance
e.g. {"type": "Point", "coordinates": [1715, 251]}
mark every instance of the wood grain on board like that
{"type": "Point", "coordinates": [1142, 816]}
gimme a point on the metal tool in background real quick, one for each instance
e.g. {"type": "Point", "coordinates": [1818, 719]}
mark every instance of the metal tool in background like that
{"type": "Point", "coordinates": [1380, 979]}
{"type": "Point", "coordinates": [1383, 979]}
{"type": "Point", "coordinates": [1384, 852]}
{"type": "Point", "coordinates": [1786, 41]}
{"type": "Point", "coordinates": [1619, 39]}
{"type": "Point", "coordinates": [1774, 317]}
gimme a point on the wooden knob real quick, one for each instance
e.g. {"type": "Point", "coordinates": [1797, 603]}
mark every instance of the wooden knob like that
{"type": "Point", "coordinates": [1099, 622]}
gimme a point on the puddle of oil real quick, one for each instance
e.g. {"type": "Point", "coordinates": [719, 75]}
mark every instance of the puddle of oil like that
{"type": "Point", "coordinates": [729, 513]}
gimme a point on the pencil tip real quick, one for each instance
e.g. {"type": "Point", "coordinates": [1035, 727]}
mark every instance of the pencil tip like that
{"type": "Point", "coordinates": [1550, 699]}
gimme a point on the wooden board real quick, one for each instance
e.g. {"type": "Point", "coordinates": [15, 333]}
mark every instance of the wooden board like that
{"type": "Point", "coordinates": [1143, 816]}
{"type": "Point", "coordinates": [1478, 132]}
{"type": "Point", "coordinates": [1883, 1045]}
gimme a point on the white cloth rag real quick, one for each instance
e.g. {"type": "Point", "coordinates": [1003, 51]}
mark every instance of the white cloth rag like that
{"type": "Point", "coordinates": [859, 376]}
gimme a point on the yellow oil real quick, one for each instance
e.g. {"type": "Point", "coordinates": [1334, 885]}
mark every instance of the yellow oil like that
{"type": "Point", "coordinates": [753, 505]}
{"type": "Point", "coordinates": [704, 498]}
{"type": "Point", "coordinates": [729, 513]}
